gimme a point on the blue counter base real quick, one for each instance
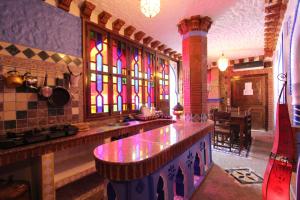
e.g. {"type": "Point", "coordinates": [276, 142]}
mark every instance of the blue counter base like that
{"type": "Point", "coordinates": [176, 180]}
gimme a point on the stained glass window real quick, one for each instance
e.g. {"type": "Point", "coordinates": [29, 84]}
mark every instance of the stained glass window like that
{"type": "Point", "coordinates": [136, 78]}
{"type": "Point", "coordinates": [98, 67]}
{"type": "Point", "coordinates": [119, 77]}
{"type": "Point", "coordinates": [163, 77]}
{"type": "Point", "coordinates": [149, 79]}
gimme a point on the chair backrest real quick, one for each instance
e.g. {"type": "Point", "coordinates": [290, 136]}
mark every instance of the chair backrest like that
{"type": "Point", "coordinates": [211, 113]}
{"type": "Point", "coordinates": [221, 116]}
{"type": "Point", "coordinates": [234, 109]}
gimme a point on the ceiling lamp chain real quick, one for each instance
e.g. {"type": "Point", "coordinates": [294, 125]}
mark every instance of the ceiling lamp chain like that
{"type": "Point", "coordinates": [223, 63]}
{"type": "Point", "coordinates": [150, 8]}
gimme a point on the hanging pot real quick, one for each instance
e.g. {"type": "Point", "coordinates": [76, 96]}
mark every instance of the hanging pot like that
{"type": "Point", "coordinates": [30, 81]}
{"type": "Point", "coordinates": [14, 79]}
{"type": "Point", "coordinates": [60, 97]}
{"type": "Point", "coordinates": [46, 91]}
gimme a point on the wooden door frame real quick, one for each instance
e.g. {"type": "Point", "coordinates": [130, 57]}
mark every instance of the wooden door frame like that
{"type": "Point", "coordinates": [266, 93]}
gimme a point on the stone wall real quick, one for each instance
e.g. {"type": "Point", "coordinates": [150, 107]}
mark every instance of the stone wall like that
{"type": "Point", "coordinates": [34, 23]}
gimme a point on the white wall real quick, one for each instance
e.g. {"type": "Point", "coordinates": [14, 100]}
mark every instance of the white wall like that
{"type": "Point", "coordinates": [286, 58]}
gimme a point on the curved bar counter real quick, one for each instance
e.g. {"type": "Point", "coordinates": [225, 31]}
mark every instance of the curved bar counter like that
{"type": "Point", "coordinates": [168, 161]}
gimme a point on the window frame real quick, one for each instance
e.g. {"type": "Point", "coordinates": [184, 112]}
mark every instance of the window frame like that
{"type": "Point", "coordinates": [90, 26]}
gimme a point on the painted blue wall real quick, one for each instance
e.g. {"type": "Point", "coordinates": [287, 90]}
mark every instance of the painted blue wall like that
{"type": "Point", "coordinates": [35, 23]}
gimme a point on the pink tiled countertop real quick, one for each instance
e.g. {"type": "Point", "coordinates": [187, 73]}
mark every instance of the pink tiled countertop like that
{"type": "Point", "coordinates": [94, 136]}
{"type": "Point", "coordinates": [140, 155]}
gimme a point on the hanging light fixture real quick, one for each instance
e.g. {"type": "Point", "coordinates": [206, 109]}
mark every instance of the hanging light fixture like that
{"type": "Point", "coordinates": [222, 63]}
{"type": "Point", "coordinates": [150, 8]}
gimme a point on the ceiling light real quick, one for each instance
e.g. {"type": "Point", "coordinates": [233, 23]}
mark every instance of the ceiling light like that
{"type": "Point", "coordinates": [150, 8]}
{"type": "Point", "coordinates": [222, 63]}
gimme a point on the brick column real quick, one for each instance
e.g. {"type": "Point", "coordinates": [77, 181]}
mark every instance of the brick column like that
{"type": "Point", "coordinates": [194, 61]}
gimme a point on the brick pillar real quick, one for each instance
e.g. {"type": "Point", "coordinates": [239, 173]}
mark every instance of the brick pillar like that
{"type": "Point", "coordinates": [194, 61]}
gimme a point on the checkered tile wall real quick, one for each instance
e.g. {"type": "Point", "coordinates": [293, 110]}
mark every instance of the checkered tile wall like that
{"type": "Point", "coordinates": [22, 108]}
{"type": "Point", "coordinates": [20, 51]}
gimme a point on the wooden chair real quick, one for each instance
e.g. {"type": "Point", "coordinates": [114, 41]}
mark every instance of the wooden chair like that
{"type": "Point", "coordinates": [222, 130]}
{"type": "Point", "coordinates": [248, 126]}
{"type": "Point", "coordinates": [211, 113]}
{"type": "Point", "coordinates": [247, 138]}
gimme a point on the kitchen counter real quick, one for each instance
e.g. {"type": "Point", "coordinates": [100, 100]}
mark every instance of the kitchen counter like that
{"type": "Point", "coordinates": [144, 153]}
{"type": "Point", "coordinates": [94, 135]}
{"type": "Point", "coordinates": [133, 165]}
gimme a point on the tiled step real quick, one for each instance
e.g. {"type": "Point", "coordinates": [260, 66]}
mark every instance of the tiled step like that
{"type": "Point", "coordinates": [87, 188]}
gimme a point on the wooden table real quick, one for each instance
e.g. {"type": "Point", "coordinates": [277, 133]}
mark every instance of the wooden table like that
{"type": "Point", "coordinates": [240, 119]}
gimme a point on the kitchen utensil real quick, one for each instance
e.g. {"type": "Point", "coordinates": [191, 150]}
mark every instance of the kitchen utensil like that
{"type": "Point", "coordinates": [14, 79]}
{"type": "Point", "coordinates": [74, 77]}
{"type": "Point", "coordinates": [46, 91]}
{"type": "Point", "coordinates": [30, 81]}
{"type": "Point", "coordinates": [60, 96]}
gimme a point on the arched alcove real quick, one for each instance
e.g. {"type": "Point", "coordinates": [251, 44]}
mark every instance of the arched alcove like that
{"type": "Point", "coordinates": [204, 154]}
{"type": "Point", "coordinates": [198, 170]}
{"type": "Point", "coordinates": [111, 194]}
{"type": "Point", "coordinates": [197, 165]}
{"type": "Point", "coordinates": [160, 193]}
{"type": "Point", "coordinates": [179, 185]}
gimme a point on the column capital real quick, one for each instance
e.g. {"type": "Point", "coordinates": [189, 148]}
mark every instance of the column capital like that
{"type": "Point", "coordinates": [194, 23]}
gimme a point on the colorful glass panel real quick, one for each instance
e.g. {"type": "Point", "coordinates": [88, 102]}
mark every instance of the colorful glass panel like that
{"type": "Point", "coordinates": [136, 78]}
{"type": "Point", "coordinates": [149, 79]}
{"type": "Point", "coordinates": [163, 75]}
{"type": "Point", "coordinates": [119, 77]}
{"type": "Point", "coordinates": [98, 81]}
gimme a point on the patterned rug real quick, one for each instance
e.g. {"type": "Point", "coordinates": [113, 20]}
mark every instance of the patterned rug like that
{"type": "Point", "coordinates": [245, 176]}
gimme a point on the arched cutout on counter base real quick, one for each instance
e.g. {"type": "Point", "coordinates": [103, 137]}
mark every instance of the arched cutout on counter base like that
{"type": "Point", "coordinates": [160, 193]}
{"type": "Point", "coordinates": [179, 185]}
{"type": "Point", "coordinates": [197, 165]}
{"type": "Point", "coordinates": [111, 194]}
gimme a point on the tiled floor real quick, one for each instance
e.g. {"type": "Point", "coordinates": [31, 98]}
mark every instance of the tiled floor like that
{"type": "Point", "coordinates": [221, 186]}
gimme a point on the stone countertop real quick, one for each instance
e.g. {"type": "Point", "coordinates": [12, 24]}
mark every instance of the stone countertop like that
{"type": "Point", "coordinates": [142, 154]}
{"type": "Point", "coordinates": [95, 136]}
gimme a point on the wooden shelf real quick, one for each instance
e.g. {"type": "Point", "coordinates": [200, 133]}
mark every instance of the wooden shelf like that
{"type": "Point", "coordinates": [73, 167]}
{"type": "Point", "coordinates": [88, 187]}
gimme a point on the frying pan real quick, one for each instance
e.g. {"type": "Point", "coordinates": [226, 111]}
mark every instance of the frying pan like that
{"type": "Point", "coordinates": [60, 97]}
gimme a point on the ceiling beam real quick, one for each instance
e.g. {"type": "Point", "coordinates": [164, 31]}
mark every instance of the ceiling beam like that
{"type": "Point", "coordinates": [64, 4]}
{"type": "Point", "coordinates": [147, 40]}
{"type": "Point", "coordinates": [139, 35]}
{"type": "Point", "coordinates": [117, 25]}
{"type": "Point", "coordinates": [129, 30]}
{"type": "Point", "coordinates": [167, 50]}
{"type": "Point", "coordinates": [87, 9]}
{"type": "Point", "coordinates": [161, 47]}
{"type": "Point", "coordinates": [103, 18]}
{"type": "Point", "coordinates": [154, 44]}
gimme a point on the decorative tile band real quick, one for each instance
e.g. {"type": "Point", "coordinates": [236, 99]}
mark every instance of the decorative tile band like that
{"type": "Point", "coordinates": [243, 60]}
{"type": "Point", "coordinates": [20, 51]}
{"type": "Point", "coordinates": [194, 117]}
{"type": "Point", "coordinates": [215, 100]}
{"type": "Point", "coordinates": [296, 109]}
